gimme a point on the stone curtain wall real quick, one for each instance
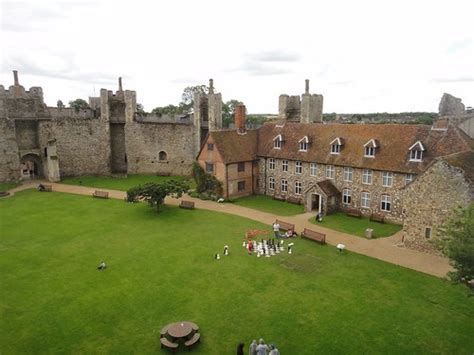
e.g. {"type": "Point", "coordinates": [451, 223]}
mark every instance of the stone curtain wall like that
{"type": "Point", "coordinates": [430, 201]}
{"type": "Point", "coordinates": [144, 141]}
{"type": "Point", "coordinates": [375, 189]}
{"type": "Point", "coordinates": [27, 134]}
{"type": "Point", "coordinates": [9, 157]}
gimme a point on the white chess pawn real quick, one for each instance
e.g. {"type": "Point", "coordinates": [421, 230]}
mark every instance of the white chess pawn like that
{"type": "Point", "coordinates": [226, 250]}
{"type": "Point", "coordinates": [217, 256]}
{"type": "Point", "coordinates": [244, 244]}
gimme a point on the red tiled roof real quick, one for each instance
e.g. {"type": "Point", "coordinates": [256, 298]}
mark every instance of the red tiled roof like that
{"type": "Point", "coordinates": [391, 155]}
{"type": "Point", "coordinates": [235, 147]}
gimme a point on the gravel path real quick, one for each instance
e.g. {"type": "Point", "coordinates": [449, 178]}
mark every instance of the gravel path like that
{"type": "Point", "coordinates": [385, 249]}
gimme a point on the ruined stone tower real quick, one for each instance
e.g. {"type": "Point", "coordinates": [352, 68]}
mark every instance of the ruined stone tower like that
{"type": "Point", "coordinates": [207, 113]}
{"type": "Point", "coordinates": [307, 109]}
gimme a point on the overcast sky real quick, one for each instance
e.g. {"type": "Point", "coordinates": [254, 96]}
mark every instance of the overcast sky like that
{"type": "Point", "coordinates": [363, 56]}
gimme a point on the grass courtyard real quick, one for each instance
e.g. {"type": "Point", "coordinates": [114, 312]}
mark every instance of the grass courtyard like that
{"type": "Point", "coordinates": [161, 270]}
{"type": "Point", "coordinates": [267, 204]}
{"type": "Point", "coordinates": [118, 183]}
{"type": "Point", "coordinates": [356, 226]}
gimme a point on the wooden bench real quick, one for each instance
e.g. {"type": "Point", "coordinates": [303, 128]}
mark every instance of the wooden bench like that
{"type": "Point", "coordinates": [186, 204]}
{"type": "Point", "coordinates": [100, 194]}
{"type": "Point", "coordinates": [163, 174]}
{"type": "Point", "coordinates": [45, 188]}
{"type": "Point", "coordinates": [353, 212]}
{"type": "Point", "coordinates": [165, 343]}
{"type": "Point", "coordinates": [316, 236]}
{"type": "Point", "coordinates": [377, 217]}
{"type": "Point", "coordinates": [194, 326]}
{"type": "Point", "coordinates": [294, 200]}
{"type": "Point", "coordinates": [164, 331]}
{"type": "Point", "coordinates": [285, 225]}
{"type": "Point", "coordinates": [195, 339]}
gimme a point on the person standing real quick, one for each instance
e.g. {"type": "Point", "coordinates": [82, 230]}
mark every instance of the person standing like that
{"type": "Point", "coordinates": [240, 349]}
{"type": "Point", "coordinates": [262, 348]}
{"type": "Point", "coordinates": [276, 229]}
{"type": "Point", "coordinates": [273, 350]}
{"type": "Point", "coordinates": [253, 348]}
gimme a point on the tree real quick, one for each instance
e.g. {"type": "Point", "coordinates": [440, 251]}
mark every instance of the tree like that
{"type": "Point", "coordinates": [228, 111]}
{"type": "Point", "coordinates": [60, 105]}
{"type": "Point", "coordinates": [140, 110]}
{"type": "Point", "coordinates": [167, 110]}
{"type": "Point", "coordinates": [155, 193]}
{"type": "Point", "coordinates": [78, 104]}
{"type": "Point", "coordinates": [187, 98]}
{"type": "Point", "coordinates": [206, 182]}
{"type": "Point", "coordinates": [458, 245]}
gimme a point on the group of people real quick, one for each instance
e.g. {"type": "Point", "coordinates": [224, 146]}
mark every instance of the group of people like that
{"type": "Point", "coordinates": [259, 348]}
{"type": "Point", "coordinates": [288, 234]}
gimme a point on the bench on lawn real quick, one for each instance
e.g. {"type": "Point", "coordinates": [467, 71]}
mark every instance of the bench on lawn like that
{"type": "Point", "coordinates": [294, 200]}
{"type": "Point", "coordinates": [377, 217]}
{"type": "Point", "coordinates": [165, 343]}
{"type": "Point", "coordinates": [286, 226]}
{"type": "Point", "coordinates": [45, 188]}
{"type": "Point", "coordinates": [100, 194]}
{"type": "Point", "coordinates": [193, 340]}
{"type": "Point", "coordinates": [353, 212]}
{"type": "Point", "coordinates": [186, 204]}
{"type": "Point", "coordinates": [163, 174]}
{"type": "Point", "coordinates": [164, 331]}
{"type": "Point", "coordinates": [316, 236]}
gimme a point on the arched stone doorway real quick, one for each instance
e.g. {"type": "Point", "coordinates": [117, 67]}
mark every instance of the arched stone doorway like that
{"type": "Point", "coordinates": [30, 167]}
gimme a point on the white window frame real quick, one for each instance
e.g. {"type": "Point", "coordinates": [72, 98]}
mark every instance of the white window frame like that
{"type": "Point", "coordinates": [284, 165]}
{"type": "Point", "coordinates": [385, 203]}
{"type": "Point", "coordinates": [347, 196]}
{"type": "Point", "coordinates": [348, 173]}
{"type": "Point", "coordinates": [271, 164]}
{"type": "Point", "coordinates": [277, 142]}
{"type": "Point", "coordinates": [284, 185]}
{"type": "Point", "coordinates": [367, 176]}
{"type": "Point", "coordinates": [313, 169]}
{"type": "Point", "coordinates": [336, 146]}
{"type": "Point", "coordinates": [271, 183]}
{"type": "Point", "coordinates": [369, 152]}
{"type": "Point", "coordinates": [298, 167]}
{"type": "Point", "coordinates": [365, 199]}
{"type": "Point", "coordinates": [416, 152]}
{"type": "Point", "coordinates": [303, 144]}
{"type": "Point", "coordinates": [408, 178]}
{"type": "Point", "coordinates": [330, 172]}
{"type": "Point", "coordinates": [298, 187]}
{"type": "Point", "coordinates": [387, 179]}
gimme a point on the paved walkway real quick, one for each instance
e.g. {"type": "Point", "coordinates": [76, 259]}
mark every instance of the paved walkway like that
{"type": "Point", "coordinates": [385, 249]}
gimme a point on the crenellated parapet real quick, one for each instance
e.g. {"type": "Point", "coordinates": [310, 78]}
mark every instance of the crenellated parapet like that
{"type": "Point", "coordinates": [306, 109]}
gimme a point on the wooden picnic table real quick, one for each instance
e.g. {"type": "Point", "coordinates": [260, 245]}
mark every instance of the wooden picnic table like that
{"type": "Point", "coordinates": [180, 330]}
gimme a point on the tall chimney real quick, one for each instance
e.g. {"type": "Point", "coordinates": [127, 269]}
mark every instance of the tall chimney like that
{"type": "Point", "coordinates": [211, 86]}
{"type": "Point", "coordinates": [120, 84]}
{"type": "Point", "coordinates": [15, 78]}
{"type": "Point", "coordinates": [306, 86]}
{"type": "Point", "coordinates": [240, 118]}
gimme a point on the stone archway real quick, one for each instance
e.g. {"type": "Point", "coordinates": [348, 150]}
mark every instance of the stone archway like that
{"type": "Point", "coordinates": [31, 167]}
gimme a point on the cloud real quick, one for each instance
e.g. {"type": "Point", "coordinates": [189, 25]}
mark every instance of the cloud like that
{"type": "Point", "coordinates": [465, 79]}
{"type": "Point", "coordinates": [273, 62]}
{"type": "Point", "coordinates": [458, 46]}
{"type": "Point", "coordinates": [274, 56]}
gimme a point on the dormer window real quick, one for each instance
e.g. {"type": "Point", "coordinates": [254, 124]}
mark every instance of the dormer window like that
{"type": "Point", "coordinates": [304, 144]}
{"type": "Point", "coordinates": [416, 151]}
{"type": "Point", "coordinates": [277, 142]}
{"type": "Point", "coordinates": [370, 148]}
{"type": "Point", "coordinates": [336, 145]}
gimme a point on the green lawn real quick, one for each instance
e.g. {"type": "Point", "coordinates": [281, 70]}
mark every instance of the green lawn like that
{"type": "Point", "coordinates": [356, 226]}
{"type": "Point", "coordinates": [161, 270]}
{"type": "Point", "coordinates": [7, 186]}
{"type": "Point", "coordinates": [267, 204]}
{"type": "Point", "coordinates": [117, 183]}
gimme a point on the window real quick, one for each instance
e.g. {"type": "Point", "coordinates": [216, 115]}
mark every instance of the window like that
{"type": "Point", "coordinates": [277, 142]}
{"type": "Point", "coordinates": [209, 167]}
{"type": "Point", "coordinates": [210, 146]}
{"type": "Point", "coordinates": [298, 167]}
{"type": "Point", "coordinates": [336, 146]}
{"type": "Point", "coordinates": [271, 183]}
{"type": "Point", "coordinates": [298, 187]}
{"type": "Point", "coordinates": [162, 156]}
{"type": "Point", "coordinates": [365, 199]}
{"type": "Point", "coordinates": [45, 152]}
{"type": "Point", "coordinates": [367, 177]}
{"type": "Point", "coordinates": [271, 164]}
{"type": "Point", "coordinates": [427, 232]}
{"type": "Point", "coordinates": [416, 151]}
{"type": "Point", "coordinates": [241, 185]}
{"type": "Point", "coordinates": [241, 167]}
{"type": "Point", "coordinates": [387, 179]}
{"type": "Point", "coordinates": [386, 203]}
{"type": "Point", "coordinates": [408, 178]}
{"type": "Point", "coordinates": [284, 185]}
{"type": "Point", "coordinates": [304, 143]}
{"type": "Point", "coordinates": [369, 152]}
{"type": "Point", "coordinates": [313, 169]}
{"type": "Point", "coordinates": [348, 174]}
{"type": "Point", "coordinates": [346, 196]}
{"type": "Point", "coordinates": [330, 171]}
{"type": "Point", "coordinates": [284, 165]}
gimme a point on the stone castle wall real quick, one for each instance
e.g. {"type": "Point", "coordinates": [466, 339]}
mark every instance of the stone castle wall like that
{"type": "Point", "coordinates": [9, 156]}
{"type": "Point", "coordinates": [430, 201]}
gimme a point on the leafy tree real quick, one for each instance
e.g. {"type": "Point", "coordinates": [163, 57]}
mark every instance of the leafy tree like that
{"type": "Point", "coordinates": [155, 193]}
{"type": "Point", "coordinates": [78, 104]}
{"type": "Point", "coordinates": [206, 182]}
{"type": "Point", "coordinates": [60, 104]}
{"type": "Point", "coordinates": [458, 245]}
{"type": "Point", "coordinates": [140, 110]}
{"type": "Point", "coordinates": [228, 112]}
{"type": "Point", "coordinates": [167, 110]}
{"type": "Point", "coordinates": [187, 98]}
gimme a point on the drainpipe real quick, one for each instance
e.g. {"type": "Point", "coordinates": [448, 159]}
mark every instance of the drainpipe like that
{"type": "Point", "coordinates": [227, 180]}
{"type": "Point", "coordinates": [265, 175]}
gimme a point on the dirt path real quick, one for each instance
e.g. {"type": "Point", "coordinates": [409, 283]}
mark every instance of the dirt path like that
{"type": "Point", "coordinates": [385, 249]}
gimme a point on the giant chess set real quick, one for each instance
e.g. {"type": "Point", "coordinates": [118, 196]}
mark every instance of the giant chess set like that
{"type": "Point", "coordinates": [266, 247]}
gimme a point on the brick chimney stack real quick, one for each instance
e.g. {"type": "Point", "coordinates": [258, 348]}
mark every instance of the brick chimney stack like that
{"type": "Point", "coordinates": [16, 82]}
{"type": "Point", "coordinates": [240, 118]}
